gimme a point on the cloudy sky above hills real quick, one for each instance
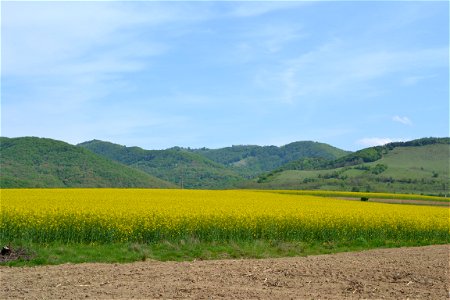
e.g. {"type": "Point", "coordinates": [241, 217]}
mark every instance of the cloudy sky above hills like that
{"type": "Point", "coordinates": [215, 74]}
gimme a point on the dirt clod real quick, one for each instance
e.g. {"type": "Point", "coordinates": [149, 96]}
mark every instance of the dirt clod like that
{"type": "Point", "coordinates": [6, 251]}
{"type": "Point", "coordinates": [10, 254]}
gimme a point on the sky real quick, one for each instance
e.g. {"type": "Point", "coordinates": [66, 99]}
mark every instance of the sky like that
{"type": "Point", "coordinates": [216, 74]}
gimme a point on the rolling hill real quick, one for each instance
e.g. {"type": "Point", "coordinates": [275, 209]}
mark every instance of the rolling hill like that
{"type": "Point", "coordinates": [211, 168]}
{"type": "Point", "coordinates": [176, 165]}
{"type": "Point", "coordinates": [419, 166]}
{"type": "Point", "coordinates": [250, 161]}
{"type": "Point", "coordinates": [39, 162]}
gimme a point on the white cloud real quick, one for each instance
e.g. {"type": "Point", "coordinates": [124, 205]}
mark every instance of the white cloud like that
{"type": "Point", "coordinates": [71, 57]}
{"type": "Point", "coordinates": [335, 69]}
{"type": "Point", "coordinates": [258, 8]}
{"type": "Point", "coordinates": [377, 141]}
{"type": "Point", "coordinates": [46, 37]}
{"type": "Point", "coordinates": [270, 38]}
{"type": "Point", "coordinates": [402, 120]}
{"type": "Point", "coordinates": [413, 80]}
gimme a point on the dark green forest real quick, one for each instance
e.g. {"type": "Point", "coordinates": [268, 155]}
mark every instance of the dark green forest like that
{"type": "Point", "coordinates": [250, 160]}
{"type": "Point", "coordinates": [210, 168]}
{"type": "Point", "coordinates": [31, 162]}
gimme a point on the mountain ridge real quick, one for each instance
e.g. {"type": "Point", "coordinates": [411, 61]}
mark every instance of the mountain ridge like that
{"type": "Point", "coordinates": [41, 162]}
{"type": "Point", "coordinates": [210, 168]}
{"type": "Point", "coordinates": [419, 166]}
{"type": "Point", "coordinates": [183, 168]}
{"type": "Point", "coordinates": [249, 160]}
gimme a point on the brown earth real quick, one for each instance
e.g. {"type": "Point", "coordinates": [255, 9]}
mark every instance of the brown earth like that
{"type": "Point", "coordinates": [404, 273]}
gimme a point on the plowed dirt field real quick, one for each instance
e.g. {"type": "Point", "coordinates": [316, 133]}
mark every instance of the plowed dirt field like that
{"type": "Point", "coordinates": [414, 273]}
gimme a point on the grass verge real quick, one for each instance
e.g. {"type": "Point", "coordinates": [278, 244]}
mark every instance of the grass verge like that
{"type": "Point", "coordinates": [58, 253]}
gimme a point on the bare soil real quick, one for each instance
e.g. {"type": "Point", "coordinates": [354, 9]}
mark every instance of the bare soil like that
{"type": "Point", "coordinates": [404, 273]}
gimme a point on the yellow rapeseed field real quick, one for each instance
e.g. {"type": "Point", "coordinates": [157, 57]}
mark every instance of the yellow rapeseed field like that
{"type": "Point", "coordinates": [145, 215]}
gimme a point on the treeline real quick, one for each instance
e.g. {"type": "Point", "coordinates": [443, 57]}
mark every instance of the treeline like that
{"type": "Point", "coordinates": [419, 142]}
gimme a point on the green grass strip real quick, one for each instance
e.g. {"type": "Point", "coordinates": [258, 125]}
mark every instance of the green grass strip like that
{"type": "Point", "coordinates": [187, 250]}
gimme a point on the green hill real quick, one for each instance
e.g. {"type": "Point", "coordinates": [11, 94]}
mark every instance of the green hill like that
{"type": "Point", "coordinates": [419, 166]}
{"type": "Point", "coordinates": [250, 161]}
{"type": "Point", "coordinates": [176, 165]}
{"type": "Point", "coordinates": [39, 162]}
{"type": "Point", "coordinates": [211, 168]}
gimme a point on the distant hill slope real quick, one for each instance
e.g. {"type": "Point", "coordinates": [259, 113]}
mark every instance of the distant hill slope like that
{"type": "Point", "coordinates": [39, 162]}
{"type": "Point", "coordinates": [419, 166]}
{"type": "Point", "coordinates": [249, 160]}
{"type": "Point", "coordinates": [176, 165]}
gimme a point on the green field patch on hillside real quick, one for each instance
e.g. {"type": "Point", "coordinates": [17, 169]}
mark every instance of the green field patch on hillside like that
{"type": "Point", "coordinates": [406, 169]}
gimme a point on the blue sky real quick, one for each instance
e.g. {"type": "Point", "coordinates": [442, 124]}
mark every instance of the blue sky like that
{"type": "Point", "coordinates": [216, 74]}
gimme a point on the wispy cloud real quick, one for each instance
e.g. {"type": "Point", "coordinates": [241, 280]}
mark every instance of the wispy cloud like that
{"type": "Point", "coordinates": [60, 40]}
{"type": "Point", "coordinates": [72, 57]}
{"type": "Point", "coordinates": [413, 80]}
{"type": "Point", "coordinates": [216, 72]}
{"type": "Point", "coordinates": [70, 54]}
{"type": "Point", "coordinates": [258, 8]}
{"type": "Point", "coordinates": [92, 37]}
{"type": "Point", "coordinates": [334, 69]}
{"type": "Point", "coordinates": [273, 37]}
{"type": "Point", "coordinates": [402, 120]}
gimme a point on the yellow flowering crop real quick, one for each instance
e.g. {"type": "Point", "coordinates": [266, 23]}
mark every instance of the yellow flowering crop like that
{"type": "Point", "coordinates": [145, 215]}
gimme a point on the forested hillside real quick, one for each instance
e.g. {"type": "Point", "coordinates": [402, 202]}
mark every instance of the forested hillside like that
{"type": "Point", "coordinates": [38, 162]}
{"type": "Point", "coordinates": [249, 160]}
{"type": "Point", "coordinates": [211, 168]}
{"type": "Point", "coordinates": [183, 168]}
